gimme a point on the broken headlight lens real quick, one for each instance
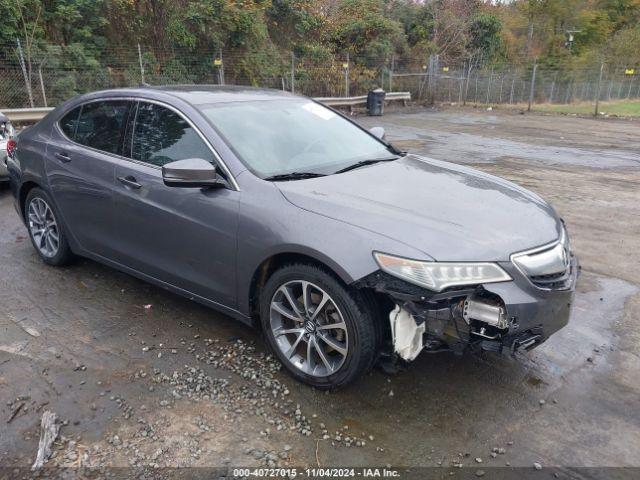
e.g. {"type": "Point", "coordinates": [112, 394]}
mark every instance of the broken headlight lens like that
{"type": "Point", "coordinates": [439, 275]}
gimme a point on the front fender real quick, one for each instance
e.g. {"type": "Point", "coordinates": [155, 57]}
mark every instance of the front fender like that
{"type": "Point", "coordinates": [270, 225]}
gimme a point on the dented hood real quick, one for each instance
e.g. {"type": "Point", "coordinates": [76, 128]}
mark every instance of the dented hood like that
{"type": "Point", "coordinates": [449, 212]}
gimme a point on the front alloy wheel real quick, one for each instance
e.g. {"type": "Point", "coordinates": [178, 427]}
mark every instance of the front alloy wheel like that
{"type": "Point", "coordinates": [308, 328]}
{"type": "Point", "coordinates": [322, 331]}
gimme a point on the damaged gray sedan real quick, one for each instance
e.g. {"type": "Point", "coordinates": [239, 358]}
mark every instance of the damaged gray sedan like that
{"type": "Point", "coordinates": [286, 215]}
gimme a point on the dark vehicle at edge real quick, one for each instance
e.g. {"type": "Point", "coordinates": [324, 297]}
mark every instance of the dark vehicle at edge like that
{"type": "Point", "coordinates": [287, 215]}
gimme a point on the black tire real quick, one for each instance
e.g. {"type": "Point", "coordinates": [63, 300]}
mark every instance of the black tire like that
{"type": "Point", "coordinates": [64, 255]}
{"type": "Point", "coordinates": [357, 310]}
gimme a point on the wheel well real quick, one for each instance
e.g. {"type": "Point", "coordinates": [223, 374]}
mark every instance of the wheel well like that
{"type": "Point", "coordinates": [24, 191]}
{"type": "Point", "coordinates": [379, 303]}
{"type": "Point", "coordinates": [270, 265]}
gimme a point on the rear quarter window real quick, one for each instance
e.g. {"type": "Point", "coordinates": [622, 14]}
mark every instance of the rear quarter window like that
{"type": "Point", "coordinates": [69, 122]}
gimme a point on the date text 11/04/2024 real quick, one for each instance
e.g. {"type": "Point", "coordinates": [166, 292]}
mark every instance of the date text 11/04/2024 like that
{"type": "Point", "coordinates": [316, 472]}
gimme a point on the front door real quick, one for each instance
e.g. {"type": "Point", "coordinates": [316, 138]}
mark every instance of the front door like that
{"type": "Point", "coordinates": [185, 237]}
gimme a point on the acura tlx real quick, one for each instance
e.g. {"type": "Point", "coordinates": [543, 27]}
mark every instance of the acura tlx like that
{"type": "Point", "coordinates": [286, 215]}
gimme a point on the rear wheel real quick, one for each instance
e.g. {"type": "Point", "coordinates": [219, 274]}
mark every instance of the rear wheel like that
{"type": "Point", "coordinates": [45, 229]}
{"type": "Point", "coordinates": [321, 331]}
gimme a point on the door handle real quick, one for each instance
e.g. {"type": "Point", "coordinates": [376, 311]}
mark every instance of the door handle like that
{"type": "Point", "coordinates": [129, 181]}
{"type": "Point", "coordinates": [63, 157]}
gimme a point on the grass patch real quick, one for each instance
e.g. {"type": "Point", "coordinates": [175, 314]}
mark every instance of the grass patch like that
{"type": "Point", "coordinates": [625, 108]}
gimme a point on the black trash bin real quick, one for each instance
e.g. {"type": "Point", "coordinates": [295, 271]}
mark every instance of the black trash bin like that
{"type": "Point", "coordinates": [375, 102]}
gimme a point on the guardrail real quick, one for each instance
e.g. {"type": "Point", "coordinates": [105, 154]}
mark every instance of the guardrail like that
{"type": "Point", "coordinates": [36, 114]}
{"type": "Point", "coordinates": [361, 100]}
{"type": "Point", "coordinates": [26, 114]}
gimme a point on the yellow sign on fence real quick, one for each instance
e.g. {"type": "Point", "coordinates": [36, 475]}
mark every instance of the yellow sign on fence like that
{"type": "Point", "coordinates": [445, 69]}
{"type": "Point", "coordinates": [217, 62]}
{"type": "Point", "coordinates": [629, 71]}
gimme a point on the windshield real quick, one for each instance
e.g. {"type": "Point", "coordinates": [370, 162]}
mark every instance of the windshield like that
{"type": "Point", "coordinates": [277, 137]}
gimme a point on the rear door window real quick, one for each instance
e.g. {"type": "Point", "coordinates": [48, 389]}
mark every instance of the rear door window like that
{"type": "Point", "coordinates": [100, 125]}
{"type": "Point", "coordinates": [161, 136]}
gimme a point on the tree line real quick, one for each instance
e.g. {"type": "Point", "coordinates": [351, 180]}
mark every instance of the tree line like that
{"type": "Point", "coordinates": [178, 38]}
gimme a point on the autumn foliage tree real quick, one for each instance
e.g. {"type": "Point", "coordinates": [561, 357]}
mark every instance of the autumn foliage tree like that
{"type": "Point", "coordinates": [181, 38]}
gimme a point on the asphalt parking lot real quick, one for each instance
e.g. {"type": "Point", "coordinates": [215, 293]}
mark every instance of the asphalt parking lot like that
{"type": "Point", "coordinates": [143, 377]}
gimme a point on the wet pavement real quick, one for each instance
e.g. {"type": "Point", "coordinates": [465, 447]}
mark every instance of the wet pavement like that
{"type": "Point", "coordinates": [100, 348]}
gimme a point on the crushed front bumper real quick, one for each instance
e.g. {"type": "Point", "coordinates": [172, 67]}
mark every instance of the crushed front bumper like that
{"type": "Point", "coordinates": [534, 313]}
{"type": "Point", "coordinates": [528, 314]}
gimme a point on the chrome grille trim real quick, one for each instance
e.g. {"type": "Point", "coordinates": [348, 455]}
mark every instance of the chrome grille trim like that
{"type": "Point", "coordinates": [551, 265]}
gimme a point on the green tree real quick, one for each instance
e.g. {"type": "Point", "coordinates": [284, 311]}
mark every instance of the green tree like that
{"type": "Point", "coordinates": [485, 35]}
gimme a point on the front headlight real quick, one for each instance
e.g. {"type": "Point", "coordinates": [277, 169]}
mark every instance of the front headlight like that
{"type": "Point", "coordinates": [439, 275]}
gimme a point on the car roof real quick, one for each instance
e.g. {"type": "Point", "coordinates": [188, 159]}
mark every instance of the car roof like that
{"type": "Point", "coordinates": [203, 94]}
{"type": "Point", "coordinates": [209, 94]}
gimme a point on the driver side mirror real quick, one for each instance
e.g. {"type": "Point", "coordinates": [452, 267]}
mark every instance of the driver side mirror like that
{"type": "Point", "coordinates": [191, 172]}
{"type": "Point", "coordinates": [378, 132]}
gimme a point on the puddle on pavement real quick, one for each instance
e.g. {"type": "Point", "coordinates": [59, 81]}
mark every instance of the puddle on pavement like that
{"type": "Point", "coordinates": [590, 327]}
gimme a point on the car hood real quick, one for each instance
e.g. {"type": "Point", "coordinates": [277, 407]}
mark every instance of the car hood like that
{"type": "Point", "coordinates": [449, 212]}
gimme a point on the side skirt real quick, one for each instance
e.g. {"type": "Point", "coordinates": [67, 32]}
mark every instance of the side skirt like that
{"type": "Point", "coordinates": [236, 314]}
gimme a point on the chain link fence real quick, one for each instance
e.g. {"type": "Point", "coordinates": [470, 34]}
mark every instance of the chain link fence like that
{"type": "Point", "coordinates": [50, 77]}
{"type": "Point", "coordinates": [511, 84]}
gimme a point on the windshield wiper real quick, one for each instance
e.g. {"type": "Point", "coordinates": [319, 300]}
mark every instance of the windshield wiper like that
{"type": "Point", "coordinates": [294, 176]}
{"type": "Point", "coordinates": [363, 163]}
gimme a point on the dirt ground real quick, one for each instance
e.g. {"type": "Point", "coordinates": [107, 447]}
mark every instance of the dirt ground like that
{"type": "Point", "coordinates": [141, 377]}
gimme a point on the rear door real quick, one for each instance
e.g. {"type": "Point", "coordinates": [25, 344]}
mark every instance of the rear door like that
{"type": "Point", "coordinates": [185, 237]}
{"type": "Point", "coordinates": [81, 159]}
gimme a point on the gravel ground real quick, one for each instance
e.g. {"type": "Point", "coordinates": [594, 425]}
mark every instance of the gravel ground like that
{"type": "Point", "coordinates": [141, 377]}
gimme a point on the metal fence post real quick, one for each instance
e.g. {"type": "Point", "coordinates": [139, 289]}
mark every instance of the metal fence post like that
{"type": "Point", "coordinates": [293, 72]}
{"type": "Point", "coordinates": [553, 87]}
{"type": "Point", "coordinates": [513, 86]}
{"type": "Point", "coordinates": [428, 80]}
{"type": "Point", "coordinates": [434, 78]}
{"type": "Point", "coordinates": [464, 68]}
{"type": "Point", "coordinates": [570, 88]}
{"type": "Point", "coordinates": [475, 96]}
{"type": "Point", "coordinates": [598, 89]}
{"type": "Point", "coordinates": [27, 80]}
{"type": "Point", "coordinates": [346, 77]}
{"type": "Point", "coordinates": [221, 69]}
{"type": "Point", "coordinates": [533, 84]}
{"type": "Point", "coordinates": [620, 89]}
{"type": "Point", "coordinates": [141, 64]}
{"type": "Point", "coordinates": [466, 88]}
{"type": "Point", "coordinates": [393, 61]}
{"type": "Point", "coordinates": [44, 94]}
{"type": "Point", "coordinates": [489, 86]}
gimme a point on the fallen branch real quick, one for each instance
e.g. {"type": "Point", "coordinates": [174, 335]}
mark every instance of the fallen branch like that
{"type": "Point", "coordinates": [49, 429]}
{"type": "Point", "coordinates": [317, 457]}
{"type": "Point", "coordinates": [15, 412]}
